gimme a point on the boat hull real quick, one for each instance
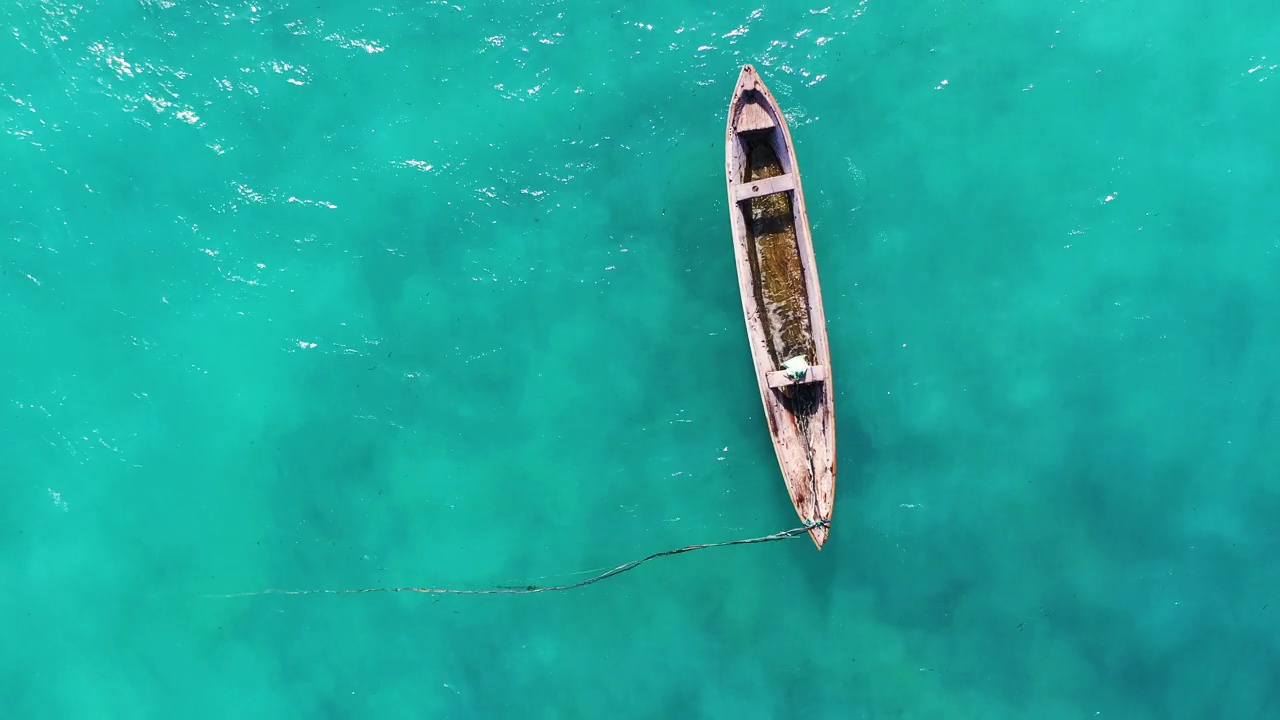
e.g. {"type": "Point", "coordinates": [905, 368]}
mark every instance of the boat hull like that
{"type": "Point", "coordinates": [781, 299]}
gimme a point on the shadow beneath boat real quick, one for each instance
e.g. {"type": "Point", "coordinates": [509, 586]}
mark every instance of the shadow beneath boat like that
{"type": "Point", "coordinates": [855, 454]}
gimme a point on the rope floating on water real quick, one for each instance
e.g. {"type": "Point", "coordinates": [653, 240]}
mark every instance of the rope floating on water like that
{"type": "Point", "coordinates": [531, 589]}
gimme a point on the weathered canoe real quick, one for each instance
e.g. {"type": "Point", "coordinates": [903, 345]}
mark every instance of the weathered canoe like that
{"type": "Point", "coordinates": [781, 299]}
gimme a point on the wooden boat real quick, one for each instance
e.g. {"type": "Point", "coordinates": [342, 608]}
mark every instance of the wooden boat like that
{"type": "Point", "coordinates": [781, 299]}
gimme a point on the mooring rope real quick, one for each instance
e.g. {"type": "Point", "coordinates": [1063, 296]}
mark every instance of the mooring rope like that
{"type": "Point", "coordinates": [531, 589]}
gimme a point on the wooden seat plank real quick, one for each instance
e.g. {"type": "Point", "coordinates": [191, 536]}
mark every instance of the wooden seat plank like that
{"type": "Point", "coordinates": [768, 186]}
{"type": "Point", "coordinates": [781, 378]}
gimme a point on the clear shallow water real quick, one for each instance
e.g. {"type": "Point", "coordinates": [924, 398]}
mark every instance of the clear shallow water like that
{"type": "Point", "coordinates": [329, 296]}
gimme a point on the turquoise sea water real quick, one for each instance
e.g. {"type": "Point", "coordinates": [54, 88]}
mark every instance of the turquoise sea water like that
{"type": "Point", "coordinates": [348, 295]}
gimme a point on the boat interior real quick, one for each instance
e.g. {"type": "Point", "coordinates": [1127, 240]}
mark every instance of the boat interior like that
{"type": "Point", "coordinates": [765, 196]}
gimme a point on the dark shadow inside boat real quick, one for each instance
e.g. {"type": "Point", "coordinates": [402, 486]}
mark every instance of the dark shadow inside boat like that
{"type": "Point", "coordinates": [803, 399]}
